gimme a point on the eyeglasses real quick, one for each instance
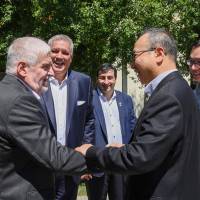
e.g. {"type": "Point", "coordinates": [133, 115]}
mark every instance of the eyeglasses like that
{"type": "Point", "coordinates": [195, 62]}
{"type": "Point", "coordinates": [140, 52]}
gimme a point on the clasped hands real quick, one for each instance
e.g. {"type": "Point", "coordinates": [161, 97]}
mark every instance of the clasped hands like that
{"type": "Point", "coordinates": [83, 148]}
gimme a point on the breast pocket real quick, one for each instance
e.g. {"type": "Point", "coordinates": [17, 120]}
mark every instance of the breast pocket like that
{"type": "Point", "coordinates": [81, 103]}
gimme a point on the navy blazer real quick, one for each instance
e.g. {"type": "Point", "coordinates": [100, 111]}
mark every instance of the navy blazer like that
{"type": "Point", "coordinates": [126, 115]}
{"type": "Point", "coordinates": [80, 118]}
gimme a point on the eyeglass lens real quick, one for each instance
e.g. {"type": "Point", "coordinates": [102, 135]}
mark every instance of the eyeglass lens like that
{"type": "Point", "coordinates": [191, 62]}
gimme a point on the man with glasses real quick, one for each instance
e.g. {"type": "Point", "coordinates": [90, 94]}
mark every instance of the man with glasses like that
{"type": "Point", "coordinates": [163, 157]}
{"type": "Point", "coordinates": [194, 66]}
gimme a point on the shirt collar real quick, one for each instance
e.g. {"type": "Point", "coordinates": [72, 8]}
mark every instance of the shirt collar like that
{"type": "Point", "coordinates": [53, 80]}
{"type": "Point", "coordinates": [103, 97]}
{"type": "Point", "coordinates": [154, 83]}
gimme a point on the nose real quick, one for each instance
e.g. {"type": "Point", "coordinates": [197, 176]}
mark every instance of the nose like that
{"type": "Point", "coordinates": [50, 72]}
{"type": "Point", "coordinates": [106, 81]}
{"type": "Point", "coordinates": [193, 67]}
{"type": "Point", "coordinates": [59, 55]}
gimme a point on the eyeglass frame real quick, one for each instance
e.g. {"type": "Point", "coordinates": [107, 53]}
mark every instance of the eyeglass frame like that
{"type": "Point", "coordinates": [140, 52]}
{"type": "Point", "coordinates": [190, 62]}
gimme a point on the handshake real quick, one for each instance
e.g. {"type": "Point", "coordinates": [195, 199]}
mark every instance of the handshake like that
{"type": "Point", "coordinates": [83, 148]}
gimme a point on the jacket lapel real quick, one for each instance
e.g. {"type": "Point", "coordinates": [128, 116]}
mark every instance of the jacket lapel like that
{"type": "Point", "coordinates": [72, 88]}
{"type": "Point", "coordinates": [48, 102]}
{"type": "Point", "coordinates": [121, 113]}
{"type": "Point", "coordinates": [99, 112]}
{"type": "Point", "coordinates": [167, 79]}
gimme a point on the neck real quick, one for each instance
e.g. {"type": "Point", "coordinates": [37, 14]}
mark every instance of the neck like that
{"type": "Point", "coordinates": [168, 65]}
{"type": "Point", "coordinates": [60, 77]}
{"type": "Point", "coordinates": [108, 95]}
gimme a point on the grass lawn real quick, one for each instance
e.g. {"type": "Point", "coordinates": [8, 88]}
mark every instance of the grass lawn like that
{"type": "Point", "coordinates": [82, 190]}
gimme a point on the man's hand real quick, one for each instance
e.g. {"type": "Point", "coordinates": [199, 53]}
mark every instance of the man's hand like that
{"type": "Point", "coordinates": [83, 149]}
{"type": "Point", "coordinates": [115, 145]}
{"type": "Point", "coordinates": [86, 177]}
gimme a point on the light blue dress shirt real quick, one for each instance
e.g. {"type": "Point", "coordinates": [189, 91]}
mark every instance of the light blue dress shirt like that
{"type": "Point", "coordinates": [154, 83]}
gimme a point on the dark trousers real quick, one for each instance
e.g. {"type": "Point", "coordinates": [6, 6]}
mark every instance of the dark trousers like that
{"type": "Point", "coordinates": [112, 185]}
{"type": "Point", "coordinates": [66, 188]}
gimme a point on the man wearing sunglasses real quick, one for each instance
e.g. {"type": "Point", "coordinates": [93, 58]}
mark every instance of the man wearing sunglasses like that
{"type": "Point", "coordinates": [194, 66]}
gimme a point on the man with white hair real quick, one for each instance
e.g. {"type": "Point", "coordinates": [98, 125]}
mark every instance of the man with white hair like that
{"type": "Point", "coordinates": [29, 152]}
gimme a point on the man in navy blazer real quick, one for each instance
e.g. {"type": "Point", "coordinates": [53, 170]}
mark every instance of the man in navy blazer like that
{"type": "Point", "coordinates": [114, 123]}
{"type": "Point", "coordinates": [69, 105]}
{"type": "Point", "coordinates": [163, 157]}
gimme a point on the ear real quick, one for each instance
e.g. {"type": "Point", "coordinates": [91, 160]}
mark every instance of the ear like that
{"type": "Point", "coordinates": [22, 69]}
{"type": "Point", "coordinates": [160, 54]}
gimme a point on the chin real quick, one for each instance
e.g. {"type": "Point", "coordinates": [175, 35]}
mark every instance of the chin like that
{"type": "Point", "coordinates": [44, 89]}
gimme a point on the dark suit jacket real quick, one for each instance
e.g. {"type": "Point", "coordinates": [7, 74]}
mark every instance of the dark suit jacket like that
{"type": "Point", "coordinates": [163, 159]}
{"type": "Point", "coordinates": [29, 152]}
{"type": "Point", "coordinates": [80, 118]}
{"type": "Point", "coordinates": [126, 115]}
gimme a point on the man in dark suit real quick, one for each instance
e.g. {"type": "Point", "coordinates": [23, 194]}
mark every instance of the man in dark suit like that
{"type": "Point", "coordinates": [194, 67]}
{"type": "Point", "coordinates": [29, 152]}
{"type": "Point", "coordinates": [163, 158]}
{"type": "Point", "coordinates": [69, 105]}
{"type": "Point", "coordinates": [114, 123]}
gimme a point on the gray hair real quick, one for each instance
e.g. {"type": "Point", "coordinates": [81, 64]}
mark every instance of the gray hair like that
{"type": "Point", "coordinates": [25, 49]}
{"type": "Point", "coordinates": [64, 38]}
{"type": "Point", "coordinates": [159, 37]}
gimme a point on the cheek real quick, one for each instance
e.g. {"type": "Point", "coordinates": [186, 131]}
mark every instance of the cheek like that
{"type": "Point", "coordinates": [68, 58]}
{"type": "Point", "coordinates": [41, 75]}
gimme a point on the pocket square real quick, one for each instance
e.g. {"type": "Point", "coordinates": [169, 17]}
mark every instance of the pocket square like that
{"type": "Point", "coordinates": [79, 103]}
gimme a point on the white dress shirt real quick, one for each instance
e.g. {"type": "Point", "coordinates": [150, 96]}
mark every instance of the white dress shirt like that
{"type": "Point", "coordinates": [59, 93]}
{"type": "Point", "coordinates": [111, 116]}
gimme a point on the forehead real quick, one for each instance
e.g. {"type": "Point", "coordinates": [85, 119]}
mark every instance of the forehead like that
{"type": "Point", "coordinates": [60, 44]}
{"type": "Point", "coordinates": [43, 57]}
{"type": "Point", "coordinates": [109, 72]}
{"type": "Point", "coordinates": [143, 41]}
{"type": "Point", "coordinates": [195, 53]}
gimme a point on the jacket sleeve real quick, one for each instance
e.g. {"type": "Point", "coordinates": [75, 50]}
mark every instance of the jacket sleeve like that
{"type": "Point", "coordinates": [157, 131]}
{"type": "Point", "coordinates": [28, 128]}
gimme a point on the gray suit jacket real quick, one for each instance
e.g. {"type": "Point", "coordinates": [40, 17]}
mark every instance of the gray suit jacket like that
{"type": "Point", "coordinates": [29, 153]}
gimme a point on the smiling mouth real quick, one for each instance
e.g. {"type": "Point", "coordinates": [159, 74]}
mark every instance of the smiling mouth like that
{"type": "Point", "coordinates": [58, 62]}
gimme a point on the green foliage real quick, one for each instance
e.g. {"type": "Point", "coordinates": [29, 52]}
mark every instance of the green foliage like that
{"type": "Point", "coordinates": [102, 30]}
